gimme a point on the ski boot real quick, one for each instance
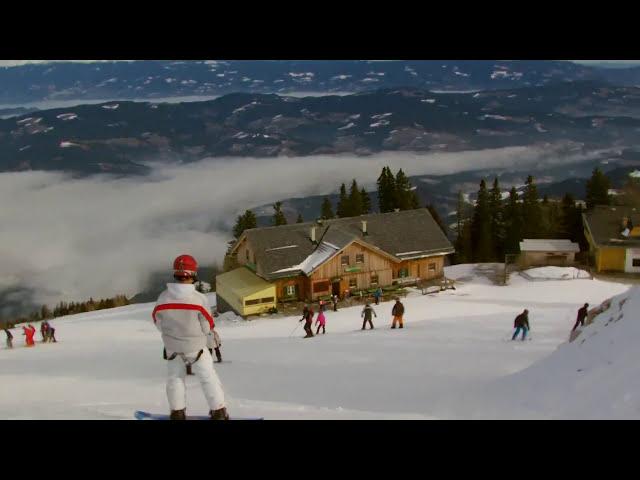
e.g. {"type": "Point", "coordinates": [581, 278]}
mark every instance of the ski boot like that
{"type": "Point", "coordinates": [178, 414]}
{"type": "Point", "coordinates": [220, 414]}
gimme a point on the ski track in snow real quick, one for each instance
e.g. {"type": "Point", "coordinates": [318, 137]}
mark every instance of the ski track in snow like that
{"type": "Point", "coordinates": [453, 349]}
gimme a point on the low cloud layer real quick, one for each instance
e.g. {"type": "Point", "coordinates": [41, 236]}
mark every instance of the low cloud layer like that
{"type": "Point", "coordinates": [69, 239]}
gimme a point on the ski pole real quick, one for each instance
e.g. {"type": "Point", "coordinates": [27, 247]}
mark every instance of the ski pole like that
{"type": "Point", "coordinates": [292, 332]}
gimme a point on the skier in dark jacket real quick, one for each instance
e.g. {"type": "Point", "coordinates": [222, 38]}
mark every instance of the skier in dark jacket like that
{"type": "Point", "coordinates": [335, 302]}
{"type": "Point", "coordinates": [582, 314]}
{"type": "Point", "coordinates": [308, 317]}
{"type": "Point", "coordinates": [397, 311]}
{"type": "Point", "coordinates": [521, 323]}
{"type": "Point", "coordinates": [9, 338]}
{"type": "Point", "coordinates": [377, 294]}
{"type": "Point", "coordinates": [366, 313]}
{"type": "Point", "coordinates": [44, 331]}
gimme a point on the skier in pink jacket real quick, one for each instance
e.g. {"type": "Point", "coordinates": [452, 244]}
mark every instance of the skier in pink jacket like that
{"type": "Point", "coordinates": [321, 321]}
{"type": "Point", "coordinates": [182, 316]}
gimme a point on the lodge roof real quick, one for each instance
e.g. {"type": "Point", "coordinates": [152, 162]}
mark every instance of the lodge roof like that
{"type": "Point", "coordinates": [288, 250]}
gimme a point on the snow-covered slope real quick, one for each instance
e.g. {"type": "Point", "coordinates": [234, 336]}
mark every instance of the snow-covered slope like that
{"type": "Point", "coordinates": [593, 377]}
{"type": "Point", "coordinates": [452, 360]}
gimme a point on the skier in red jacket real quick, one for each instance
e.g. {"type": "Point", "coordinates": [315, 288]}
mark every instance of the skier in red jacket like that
{"type": "Point", "coordinates": [29, 331]}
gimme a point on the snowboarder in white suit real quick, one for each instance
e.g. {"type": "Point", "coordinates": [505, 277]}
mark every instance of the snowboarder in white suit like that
{"type": "Point", "coordinates": [182, 316]}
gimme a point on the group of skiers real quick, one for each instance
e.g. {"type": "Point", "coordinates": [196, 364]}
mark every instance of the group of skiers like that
{"type": "Point", "coordinates": [521, 322]}
{"type": "Point", "coordinates": [307, 315]}
{"type": "Point", "coordinates": [46, 330]}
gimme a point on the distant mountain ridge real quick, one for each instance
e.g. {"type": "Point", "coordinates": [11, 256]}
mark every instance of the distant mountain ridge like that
{"type": "Point", "coordinates": [118, 137]}
{"type": "Point", "coordinates": [159, 78]}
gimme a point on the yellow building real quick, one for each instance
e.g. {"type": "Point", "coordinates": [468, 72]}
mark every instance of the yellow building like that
{"type": "Point", "coordinates": [614, 238]}
{"type": "Point", "coordinates": [244, 292]}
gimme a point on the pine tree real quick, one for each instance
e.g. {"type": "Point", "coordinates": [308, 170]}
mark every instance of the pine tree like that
{"type": "Point", "coordinates": [342, 209]}
{"type": "Point", "coordinates": [355, 200]}
{"type": "Point", "coordinates": [326, 211]}
{"type": "Point", "coordinates": [598, 189]}
{"type": "Point", "coordinates": [403, 192]}
{"type": "Point", "coordinates": [366, 201]}
{"type": "Point", "coordinates": [497, 220]}
{"type": "Point", "coordinates": [481, 227]}
{"type": "Point", "coordinates": [513, 223]}
{"type": "Point", "coordinates": [299, 219]}
{"type": "Point", "coordinates": [567, 216]}
{"type": "Point", "coordinates": [45, 313]}
{"type": "Point", "coordinates": [460, 213]}
{"type": "Point", "coordinates": [278, 216]}
{"type": "Point", "coordinates": [464, 243]}
{"type": "Point", "coordinates": [244, 222]}
{"type": "Point", "coordinates": [386, 191]}
{"type": "Point", "coordinates": [531, 211]}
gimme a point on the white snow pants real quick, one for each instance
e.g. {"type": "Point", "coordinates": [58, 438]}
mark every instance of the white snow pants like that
{"type": "Point", "coordinates": [206, 374]}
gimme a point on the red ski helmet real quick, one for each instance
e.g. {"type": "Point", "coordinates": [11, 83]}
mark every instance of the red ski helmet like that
{"type": "Point", "coordinates": [185, 265]}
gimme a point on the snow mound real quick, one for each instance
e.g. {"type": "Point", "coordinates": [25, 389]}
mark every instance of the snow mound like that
{"type": "Point", "coordinates": [228, 317]}
{"type": "Point", "coordinates": [554, 273]}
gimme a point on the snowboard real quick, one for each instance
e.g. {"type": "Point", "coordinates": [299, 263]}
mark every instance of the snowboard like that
{"type": "Point", "coordinates": [140, 415]}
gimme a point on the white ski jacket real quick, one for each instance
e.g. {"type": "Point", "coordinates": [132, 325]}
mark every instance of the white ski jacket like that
{"type": "Point", "coordinates": [213, 339]}
{"type": "Point", "coordinates": [183, 317]}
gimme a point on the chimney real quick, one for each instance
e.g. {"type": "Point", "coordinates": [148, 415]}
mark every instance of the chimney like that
{"type": "Point", "coordinates": [364, 228]}
{"type": "Point", "coordinates": [313, 234]}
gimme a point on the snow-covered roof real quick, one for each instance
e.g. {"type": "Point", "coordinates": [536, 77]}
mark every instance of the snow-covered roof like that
{"type": "Point", "coordinates": [548, 245]}
{"type": "Point", "coordinates": [318, 256]}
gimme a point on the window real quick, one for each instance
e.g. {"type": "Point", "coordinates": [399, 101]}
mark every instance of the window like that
{"type": "Point", "coordinates": [321, 286]}
{"type": "Point", "coordinates": [360, 258]}
{"type": "Point", "coordinates": [353, 283]}
{"type": "Point", "coordinates": [344, 260]}
{"type": "Point", "coordinates": [432, 267]}
{"type": "Point", "coordinates": [258, 301]}
{"type": "Point", "coordinates": [636, 262]}
{"type": "Point", "coordinates": [374, 279]}
{"type": "Point", "coordinates": [403, 272]}
{"type": "Point", "coordinates": [289, 290]}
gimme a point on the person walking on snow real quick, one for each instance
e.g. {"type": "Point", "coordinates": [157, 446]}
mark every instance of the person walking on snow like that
{"type": "Point", "coordinates": [44, 331]}
{"type": "Point", "coordinates": [52, 334]}
{"type": "Point", "coordinates": [183, 318]}
{"type": "Point", "coordinates": [377, 294]}
{"type": "Point", "coordinates": [9, 338]}
{"type": "Point", "coordinates": [521, 323]}
{"type": "Point", "coordinates": [29, 332]}
{"type": "Point", "coordinates": [582, 314]}
{"type": "Point", "coordinates": [321, 321]}
{"type": "Point", "coordinates": [334, 298]}
{"type": "Point", "coordinates": [321, 306]}
{"type": "Point", "coordinates": [214, 343]}
{"type": "Point", "coordinates": [308, 317]}
{"type": "Point", "coordinates": [366, 313]}
{"type": "Point", "coordinates": [397, 311]}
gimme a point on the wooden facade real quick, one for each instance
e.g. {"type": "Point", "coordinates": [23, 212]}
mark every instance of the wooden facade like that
{"type": "Point", "coordinates": [359, 267]}
{"type": "Point", "coordinates": [356, 267]}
